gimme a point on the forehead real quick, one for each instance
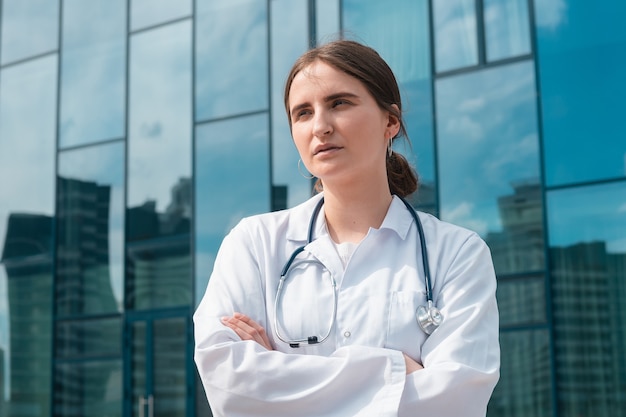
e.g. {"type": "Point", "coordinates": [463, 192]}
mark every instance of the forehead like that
{"type": "Point", "coordinates": [320, 77]}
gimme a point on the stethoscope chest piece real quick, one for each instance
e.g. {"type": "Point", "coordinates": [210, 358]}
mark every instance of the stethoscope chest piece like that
{"type": "Point", "coordinates": [428, 317]}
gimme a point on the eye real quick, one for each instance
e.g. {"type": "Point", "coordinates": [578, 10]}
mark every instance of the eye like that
{"type": "Point", "coordinates": [339, 102]}
{"type": "Point", "coordinates": [302, 113]}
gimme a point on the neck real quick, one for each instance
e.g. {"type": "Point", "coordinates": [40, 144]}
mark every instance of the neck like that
{"type": "Point", "coordinates": [350, 213]}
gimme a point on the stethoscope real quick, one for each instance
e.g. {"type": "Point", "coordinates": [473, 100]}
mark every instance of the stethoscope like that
{"type": "Point", "coordinates": [428, 317]}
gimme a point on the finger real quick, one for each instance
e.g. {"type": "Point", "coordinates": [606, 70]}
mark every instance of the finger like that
{"type": "Point", "coordinates": [258, 330]}
{"type": "Point", "coordinates": [247, 332]}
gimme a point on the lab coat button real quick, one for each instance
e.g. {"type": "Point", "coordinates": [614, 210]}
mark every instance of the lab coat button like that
{"type": "Point", "coordinates": [347, 334]}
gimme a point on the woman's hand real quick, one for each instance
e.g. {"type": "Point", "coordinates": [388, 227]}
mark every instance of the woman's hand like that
{"type": "Point", "coordinates": [247, 329]}
{"type": "Point", "coordinates": [411, 365]}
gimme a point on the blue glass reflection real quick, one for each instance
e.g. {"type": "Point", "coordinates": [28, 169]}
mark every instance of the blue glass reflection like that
{"type": "Point", "coordinates": [327, 16]}
{"type": "Point", "coordinates": [581, 50]}
{"type": "Point", "coordinates": [90, 242]}
{"type": "Point", "coordinates": [27, 157]}
{"type": "Point", "coordinates": [29, 28]}
{"type": "Point", "coordinates": [507, 29]}
{"type": "Point", "coordinates": [289, 38]}
{"type": "Point", "coordinates": [231, 58]}
{"type": "Point", "coordinates": [93, 71]}
{"type": "Point", "coordinates": [588, 271]}
{"type": "Point", "coordinates": [489, 162]}
{"type": "Point", "coordinates": [159, 144]}
{"type": "Point", "coordinates": [525, 385]}
{"type": "Point", "coordinates": [232, 181]}
{"type": "Point", "coordinates": [387, 30]}
{"type": "Point", "coordinates": [456, 44]}
{"type": "Point", "coordinates": [145, 13]}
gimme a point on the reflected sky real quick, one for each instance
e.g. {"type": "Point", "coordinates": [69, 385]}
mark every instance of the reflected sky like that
{"type": "Point", "coordinates": [28, 28]}
{"type": "Point", "coordinates": [159, 144]}
{"type": "Point", "coordinates": [230, 184]}
{"type": "Point", "coordinates": [144, 13]}
{"type": "Point", "coordinates": [507, 29]}
{"type": "Point", "coordinates": [582, 58]}
{"type": "Point", "coordinates": [589, 214]}
{"type": "Point", "coordinates": [456, 44]}
{"type": "Point", "coordinates": [103, 165]}
{"type": "Point", "coordinates": [93, 71]}
{"type": "Point", "coordinates": [289, 39]}
{"type": "Point", "coordinates": [231, 58]}
{"type": "Point", "coordinates": [327, 20]}
{"type": "Point", "coordinates": [488, 143]}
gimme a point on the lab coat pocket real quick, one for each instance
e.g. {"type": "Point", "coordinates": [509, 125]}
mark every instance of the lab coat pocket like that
{"type": "Point", "coordinates": [403, 331]}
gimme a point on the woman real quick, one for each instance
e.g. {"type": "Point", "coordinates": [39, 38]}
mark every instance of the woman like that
{"type": "Point", "coordinates": [340, 336]}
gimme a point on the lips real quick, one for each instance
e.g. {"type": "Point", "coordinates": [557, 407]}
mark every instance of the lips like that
{"type": "Point", "coordinates": [320, 149]}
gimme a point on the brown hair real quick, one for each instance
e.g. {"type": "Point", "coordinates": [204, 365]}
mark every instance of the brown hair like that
{"type": "Point", "coordinates": [366, 65]}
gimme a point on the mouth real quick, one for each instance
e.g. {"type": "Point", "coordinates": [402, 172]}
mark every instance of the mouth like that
{"type": "Point", "coordinates": [325, 149]}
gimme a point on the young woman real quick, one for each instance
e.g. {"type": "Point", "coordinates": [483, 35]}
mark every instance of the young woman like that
{"type": "Point", "coordinates": [337, 307]}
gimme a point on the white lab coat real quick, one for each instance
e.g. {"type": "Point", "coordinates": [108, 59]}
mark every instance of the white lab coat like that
{"type": "Point", "coordinates": [360, 369]}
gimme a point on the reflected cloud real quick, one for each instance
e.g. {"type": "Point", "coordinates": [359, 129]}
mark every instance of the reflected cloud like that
{"type": "Point", "coordinates": [455, 34]}
{"type": "Point", "coordinates": [464, 214]}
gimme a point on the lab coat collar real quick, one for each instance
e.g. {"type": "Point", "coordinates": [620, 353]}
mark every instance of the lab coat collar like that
{"type": "Point", "coordinates": [397, 219]}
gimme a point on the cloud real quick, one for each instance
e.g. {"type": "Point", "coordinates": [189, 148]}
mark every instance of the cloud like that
{"type": "Point", "coordinates": [462, 214]}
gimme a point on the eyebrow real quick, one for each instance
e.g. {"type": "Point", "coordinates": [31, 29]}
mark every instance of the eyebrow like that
{"type": "Point", "coordinates": [328, 98]}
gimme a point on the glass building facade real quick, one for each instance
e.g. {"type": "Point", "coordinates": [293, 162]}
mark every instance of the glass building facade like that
{"type": "Point", "coordinates": [135, 133]}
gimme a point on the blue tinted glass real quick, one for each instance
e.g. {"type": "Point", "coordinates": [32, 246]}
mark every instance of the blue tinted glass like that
{"type": "Point", "coordinates": [489, 162]}
{"type": "Point", "coordinates": [144, 13]}
{"type": "Point", "coordinates": [93, 71]}
{"type": "Point", "coordinates": [159, 143]}
{"type": "Point", "coordinates": [28, 28]}
{"type": "Point", "coordinates": [230, 183]}
{"type": "Point", "coordinates": [588, 271]}
{"type": "Point", "coordinates": [525, 385]}
{"type": "Point", "coordinates": [159, 273]}
{"type": "Point", "coordinates": [89, 338]}
{"type": "Point", "coordinates": [89, 389]}
{"type": "Point", "coordinates": [231, 58]}
{"type": "Point", "coordinates": [388, 30]}
{"type": "Point", "coordinates": [522, 300]}
{"type": "Point", "coordinates": [455, 34]}
{"type": "Point", "coordinates": [289, 39]}
{"type": "Point", "coordinates": [327, 16]}
{"type": "Point", "coordinates": [90, 241]}
{"type": "Point", "coordinates": [507, 29]}
{"type": "Point", "coordinates": [582, 61]}
{"type": "Point", "coordinates": [27, 157]}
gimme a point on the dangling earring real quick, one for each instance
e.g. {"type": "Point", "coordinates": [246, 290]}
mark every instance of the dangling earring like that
{"type": "Point", "coordinates": [389, 149]}
{"type": "Point", "coordinates": [308, 177]}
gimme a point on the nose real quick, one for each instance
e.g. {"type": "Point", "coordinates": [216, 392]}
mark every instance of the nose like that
{"type": "Point", "coordinates": [322, 125]}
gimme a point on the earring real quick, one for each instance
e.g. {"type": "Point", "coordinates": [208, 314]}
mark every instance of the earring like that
{"type": "Point", "coordinates": [308, 177]}
{"type": "Point", "coordinates": [389, 149]}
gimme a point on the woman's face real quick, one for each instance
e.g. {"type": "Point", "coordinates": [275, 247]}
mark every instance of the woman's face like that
{"type": "Point", "coordinates": [339, 130]}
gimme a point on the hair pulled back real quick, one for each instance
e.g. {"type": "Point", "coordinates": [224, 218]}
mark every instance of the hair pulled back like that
{"type": "Point", "coordinates": [366, 65]}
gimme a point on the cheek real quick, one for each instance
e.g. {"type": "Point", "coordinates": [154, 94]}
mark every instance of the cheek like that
{"type": "Point", "coordinates": [299, 139]}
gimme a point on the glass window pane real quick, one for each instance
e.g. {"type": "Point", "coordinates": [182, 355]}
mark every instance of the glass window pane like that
{"type": "Point", "coordinates": [387, 30]}
{"type": "Point", "coordinates": [170, 365]}
{"type": "Point", "coordinates": [289, 38]}
{"type": "Point", "coordinates": [522, 301]}
{"type": "Point", "coordinates": [231, 58]}
{"type": "Point", "coordinates": [159, 145]}
{"type": "Point", "coordinates": [159, 273]}
{"type": "Point", "coordinates": [29, 28]}
{"type": "Point", "coordinates": [507, 29]}
{"type": "Point", "coordinates": [93, 71]}
{"type": "Point", "coordinates": [144, 13]}
{"type": "Point", "coordinates": [89, 389]}
{"type": "Point", "coordinates": [27, 158]}
{"type": "Point", "coordinates": [327, 20]}
{"type": "Point", "coordinates": [90, 242]}
{"type": "Point", "coordinates": [456, 44]}
{"type": "Point", "coordinates": [588, 268]}
{"type": "Point", "coordinates": [581, 50]}
{"type": "Point", "coordinates": [525, 386]}
{"type": "Point", "coordinates": [88, 338]}
{"type": "Point", "coordinates": [240, 179]}
{"type": "Point", "coordinates": [489, 163]}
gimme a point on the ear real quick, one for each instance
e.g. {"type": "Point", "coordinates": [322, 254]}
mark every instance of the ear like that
{"type": "Point", "coordinates": [393, 122]}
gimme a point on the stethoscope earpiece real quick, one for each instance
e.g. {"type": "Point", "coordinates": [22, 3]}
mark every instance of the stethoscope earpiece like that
{"type": "Point", "coordinates": [428, 318]}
